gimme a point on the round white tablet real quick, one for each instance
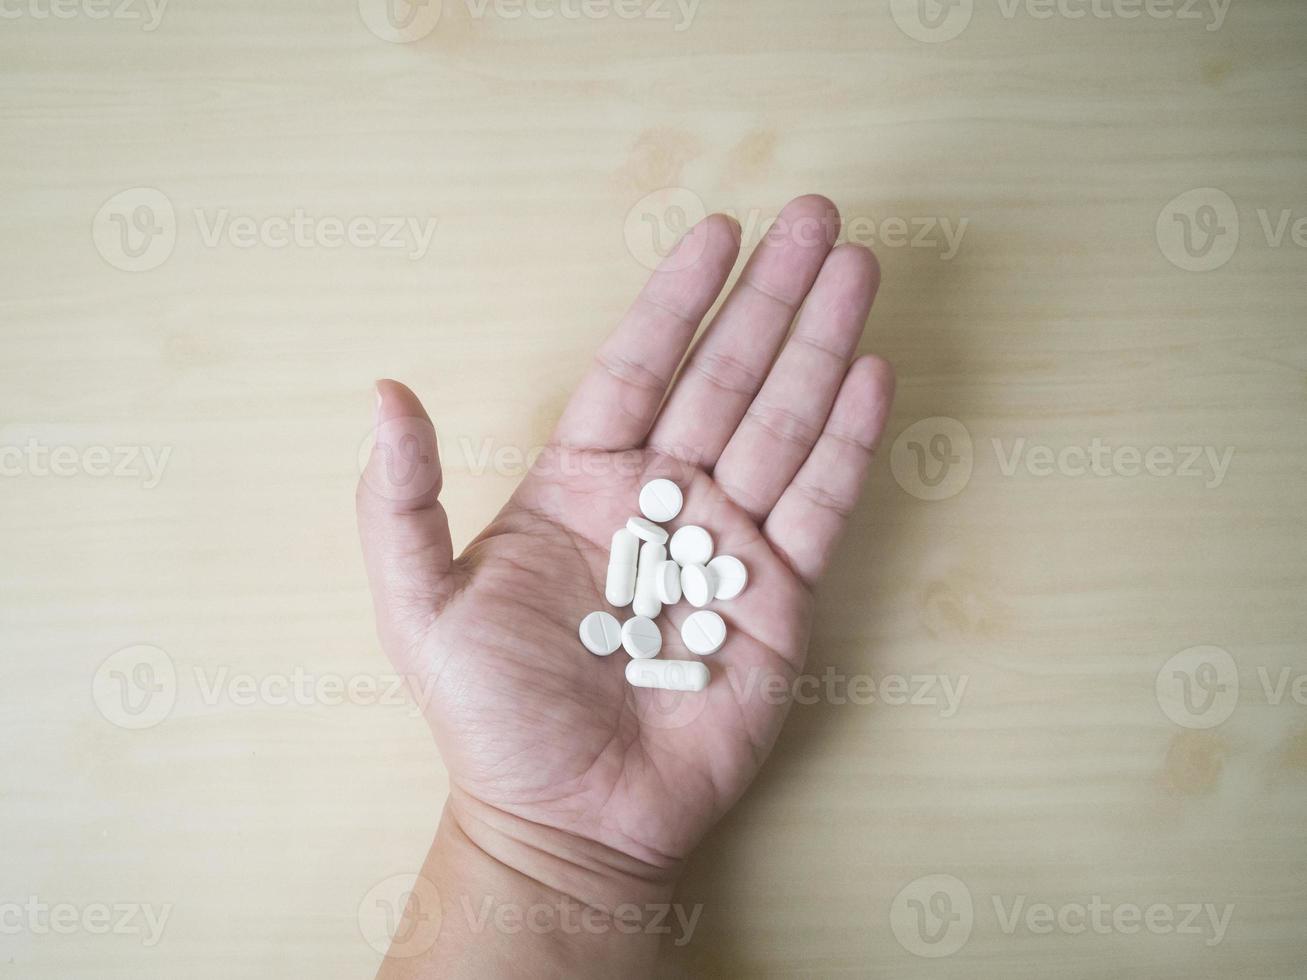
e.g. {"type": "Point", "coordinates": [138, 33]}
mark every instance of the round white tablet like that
{"type": "Point", "coordinates": [698, 584]}
{"type": "Point", "coordinates": [601, 634]}
{"type": "Point", "coordinates": [703, 632]}
{"type": "Point", "coordinates": [732, 576]}
{"type": "Point", "coordinates": [667, 582]}
{"type": "Point", "coordinates": [660, 500]}
{"type": "Point", "coordinates": [691, 545]}
{"type": "Point", "coordinates": [646, 530]}
{"type": "Point", "coordinates": [641, 637]}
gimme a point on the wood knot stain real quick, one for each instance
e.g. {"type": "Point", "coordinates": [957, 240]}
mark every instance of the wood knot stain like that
{"type": "Point", "coordinates": [1214, 72]}
{"type": "Point", "coordinates": [658, 160]}
{"type": "Point", "coordinates": [752, 156]}
{"type": "Point", "coordinates": [960, 606]}
{"type": "Point", "coordinates": [188, 350]}
{"type": "Point", "coordinates": [1193, 764]}
{"type": "Point", "coordinates": [1293, 754]}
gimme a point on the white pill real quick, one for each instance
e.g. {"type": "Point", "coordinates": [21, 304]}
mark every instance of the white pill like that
{"type": "Point", "coordinates": [652, 555]}
{"type": "Point", "coordinates": [620, 587]}
{"type": "Point", "coordinates": [691, 545]}
{"type": "Point", "coordinates": [668, 580]}
{"type": "Point", "coordinates": [668, 675]}
{"type": "Point", "coordinates": [698, 585]}
{"type": "Point", "coordinates": [703, 632]}
{"type": "Point", "coordinates": [641, 637]}
{"type": "Point", "coordinates": [601, 634]}
{"type": "Point", "coordinates": [732, 576]}
{"type": "Point", "coordinates": [660, 500]}
{"type": "Point", "coordinates": [646, 530]}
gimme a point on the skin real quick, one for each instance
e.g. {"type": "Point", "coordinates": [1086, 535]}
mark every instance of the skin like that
{"type": "Point", "coordinates": [568, 786]}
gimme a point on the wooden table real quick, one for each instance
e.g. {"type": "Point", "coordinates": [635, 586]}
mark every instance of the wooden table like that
{"type": "Point", "coordinates": [1017, 764]}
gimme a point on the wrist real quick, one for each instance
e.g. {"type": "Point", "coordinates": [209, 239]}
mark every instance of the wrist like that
{"type": "Point", "coordinates": [518, 898]}
{"type": "Point", "coordinates": [584, 870]}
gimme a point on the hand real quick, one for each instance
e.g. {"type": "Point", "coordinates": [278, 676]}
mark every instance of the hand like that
{"type": "Point", "coordinates": [769, 441]}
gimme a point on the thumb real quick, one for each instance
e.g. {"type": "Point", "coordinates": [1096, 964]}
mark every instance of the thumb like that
{"type": "Point", "coordinates": [403, 527]}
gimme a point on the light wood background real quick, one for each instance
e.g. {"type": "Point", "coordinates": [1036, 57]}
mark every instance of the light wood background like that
{"type": "Point", "coordinates": [1057, 600]}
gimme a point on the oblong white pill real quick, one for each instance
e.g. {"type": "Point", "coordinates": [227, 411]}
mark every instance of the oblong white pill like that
{"type": "Point", "coordinates": [668, 580]}
{"type": "Point", "coordinates": [646, 530]}
{"type": "Point", "coordinates": [704, 632]}
{"type": "Point", "coordinates": [691, 545]}
{"type": "Point", "coordinates": [660, 500]}
{"type": "Point", "coordinates": [641, 637]}
{"type": "Point", "coordinates": [619, 589]}
{"type": "Point", "coordinates": [601, 634]}
{"type": "Point", "coordinates": [667, 675]}
{"type": "Point", "coordinates": [732, 576]}
{"type": "Point", "coordinates": [647, 603]}
{"type": "Point", "coordinates": [698, 584]}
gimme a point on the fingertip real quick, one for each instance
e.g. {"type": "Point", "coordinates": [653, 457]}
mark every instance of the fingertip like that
{"type": "Point", "coordinates": [731, 225]}
{"type": "Point", "coordinates": [860, 259]}
{"type": "Point", "coordinates": [815, 211]}
{"type": "Point", "coordinates": [397, 400]}
{"type": "Point", "coordinates": [812, 204]}
{"type": "Point", "coordinates": [715, 240]}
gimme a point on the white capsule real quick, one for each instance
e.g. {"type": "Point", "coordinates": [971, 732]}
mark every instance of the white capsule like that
{"type": "Point", "coordinates": [620, 587]}
{"type": "Point", "coordinates": [646, 580]}
{"type": "Point", "coordinates": [660, 500]}
{"type": "Point", "coordinates": [668, 580]}
{"type": "Point", "coordinates": [691, 545]}
{"type": "Point", "coordinates": [601, 634]}
{"type": "Point", "coordinates": [703, 632]}
{"type": "Point", "coordinates": [698, 584]}
{"type": "Point", "coordinates": [646, 530]}
{"type": "Point", "coordinates": [668, 675]}
{"type": "Point", "coordinates": [732, 576]}
{"type": "Point", "coordinates": [641, 637]}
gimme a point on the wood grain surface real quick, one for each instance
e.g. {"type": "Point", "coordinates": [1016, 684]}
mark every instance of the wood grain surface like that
{"type": "Point", "coordinates": [1059, 716]}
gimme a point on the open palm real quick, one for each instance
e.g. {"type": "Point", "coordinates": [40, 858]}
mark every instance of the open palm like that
{"type": "Point", "coordinates": [769, 441]}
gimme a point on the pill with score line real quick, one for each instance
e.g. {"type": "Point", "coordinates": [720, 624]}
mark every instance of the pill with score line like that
{"type": "Point", "coordinates": [641, 637]}
{"type": "Point", "coordinates": [601, 633]}
{"type": "Point", "coordinates": [661, 500]}
{"type": "Point", "coordinates": [704, 632]}
{"type": "Point", "coordinates": [732, 576]}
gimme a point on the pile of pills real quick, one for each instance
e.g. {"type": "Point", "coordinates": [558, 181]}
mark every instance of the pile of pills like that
{"type": "Point", "coordinates": [648, 570]}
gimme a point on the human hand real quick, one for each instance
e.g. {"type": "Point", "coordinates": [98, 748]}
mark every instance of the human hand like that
{"type": "Point", "coordinates": [768, 439]}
